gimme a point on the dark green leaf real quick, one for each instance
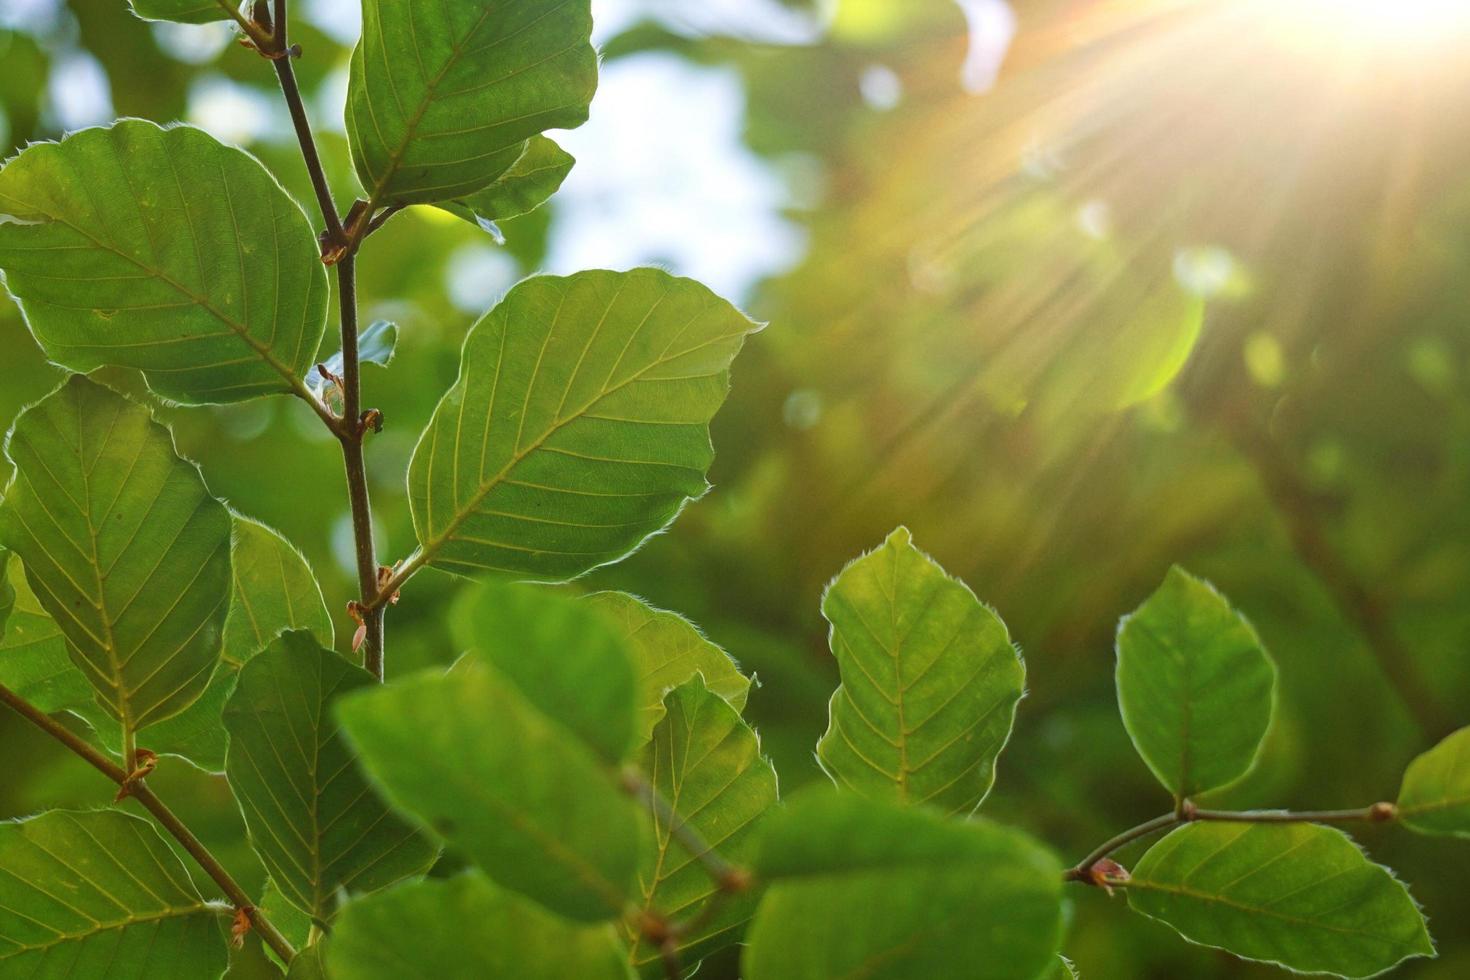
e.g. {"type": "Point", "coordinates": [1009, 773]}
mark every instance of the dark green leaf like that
{"type": "Point", "coordinates": [668, 650]}
{"type": "Point", "coordinates": [1435, 797]}
{"type": "Point", "coordinates": [930, 681]}
{"type": "Point", "coordinates": [249, 961]}
{"type": "Point", "coordinates": [579, 424]}
{"type": "Point", "coordinates": [475, 759]}
{"type": "Point", "coordinates": [123, 546]}
{"type": "Point", "coordinates": [536, 176]}
{"type": "Point", "coordinates": [549, 646]}
{"type": "Point", "coordinates": [309, 964]}
{"type": "Point", "coordinates": [167, 251]}
{"type": "Point", "coordinates": [99, 894]}
{"type": "Point", "coordinates": [466, 929]}
{"type": "Point", "coordinates": [316, 824]}
{"type": "Point", "coordinates": [443, 94]}
{"type": "Point", "coordinates": [1195, 686]}
{"type": "Point", "coordinates": [1299, 895]}
{"type": "Point", "coordinates": [7, 592]}
{"type": "Point", "coordinates": [864, 888]}
{"type": "Point", "coordinates": [707, 764]}
{"type": "Point", "coordinates": [274, 590]}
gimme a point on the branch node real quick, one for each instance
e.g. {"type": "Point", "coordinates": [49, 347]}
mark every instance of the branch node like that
{"type": "Point", "coordinates": [145, 763]}
{"type": "Point", "coordinates": [1383, 812]}
{"type": "Point", "coordinates": [241, 925]}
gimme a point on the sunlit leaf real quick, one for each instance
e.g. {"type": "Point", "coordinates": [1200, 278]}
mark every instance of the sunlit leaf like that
{"type": "Point", "coordinates": [707, 763]}
{"type": "Point", "coordinates": [443, 94]}
{"type": "Point", "coordinates": [1435, 796]}
{"type": "Point", "coordinates": [523, 188]}
{"type": "Point", "coordinates": [123, 546]}
{"type": "Point", "coordinates": [99, 894]}
{"type": "Point", "coordinates": [1299, 895]}
{"type": "Point", "coordinates": [167, 251]}
{"type": "Point", "coordinates": [1195, 686]}
{"type": "Point", "coordinates": [549, 646]}
{"type": "Point", "coordinates": [273, 590]}
{"type": "Point", "coordinates": [865, 888]}
{"type": "Point", "coordinates": [930, 681]}
{"type": "Point", "coordinates": [313, 820]}
{"type": "Point", "coordinates": [476, 760]}
{"type": "Point", "coordinates": [466, 929]}
{"type": "Point", "coordinates": [579, 424]}
{"type": "Point", "coordinates": [668, 650]}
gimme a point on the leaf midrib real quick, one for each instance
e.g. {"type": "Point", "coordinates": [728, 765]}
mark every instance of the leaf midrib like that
{"type": "Point", "coordinates": [171, 912]}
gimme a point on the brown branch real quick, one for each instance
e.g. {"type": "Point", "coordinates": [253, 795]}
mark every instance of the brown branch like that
{"type": "Point", "coordinates": [138, 790]}
{"type": "Point", "coordinates": [339, 248]}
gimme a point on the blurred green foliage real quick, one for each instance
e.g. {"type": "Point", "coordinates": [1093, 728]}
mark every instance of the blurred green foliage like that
{"type": "Point", "coordinates": [1175, 289]}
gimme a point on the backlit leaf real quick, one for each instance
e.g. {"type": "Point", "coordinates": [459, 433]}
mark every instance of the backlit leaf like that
{"type": "Point", "coordinates": [273, 590]}
{"type": "Point", "coordinates": [443, 94]}
{"type": "Point", "coordinates": [549, 646]}
{"type": "Point", "coordinates": [523, 188]}
{"type": "Point", "coordinates": [707, 764]}
{"type": "Point", "coordinates": [316, 824]}
{"type": "Point", "coordinates": [1299, 895]}
{"type": "Point", "coordinates": [930, 681]}
{"type": "Point", "coordinates": [33, 658]}
{"type": "Point", "coordinates": [123, 547]}
{"type": "Point", "coordinates": [579, 424]}
{"type": "Point", "coordinates": [167, 251]}
{"type": "Point", "coordinates": [99, 894]}
{"type": "Point", "coordinates": [475, 759]}
{"type": "Point", "coordinates": [1195, 686]}
{"type": "Point", "coordinates": [183, 11]}
{"type": "Point", "coordinates": [466, 929]}
{"type": "Point", "coordinates": [864, 888]}
{"type": "Point", "coordinates": [668, 650]}
{"type": "Point", "coordinates": [376, 344]}
{"type": "Point", "coordinates": [1435, 796]}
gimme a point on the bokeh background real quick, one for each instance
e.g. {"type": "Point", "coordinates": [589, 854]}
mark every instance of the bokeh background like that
{"type": "Point", "coordinates": [1076, 289]}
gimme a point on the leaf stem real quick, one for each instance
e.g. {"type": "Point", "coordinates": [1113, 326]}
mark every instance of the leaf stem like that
{"type": "Point", "coordinates": [138, 790]}
{"type": "Point", "coordinates": [727, 877]}
{"type": "Point", "coordinates": [1189, 813]}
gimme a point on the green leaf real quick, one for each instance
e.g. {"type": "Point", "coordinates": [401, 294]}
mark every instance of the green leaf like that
{"type": "Point", "coordinates": [864, 888]}
{"type": "Point", "coordinates": [668, 650]}
{"type": "Point", "coordinates": [930, 681]}
{"type": "Point", "coordinates": [274, 590]}
{"type": "Point", "coordinates": [1299, 895]}
{"type": "Point", "coordinates": [33, 658]}
{"type": "Point", "coordinates": [1435, 796]}
{"type": "Point", "coordinates": [316, 824]}
{"type": "Point", "coordinates": [167, 251]}
{"type": "Point", "coordinates": [443, 94]}
{"type": "Point", "coordinates": [579, 424]}
{"type": "Point", "coordinates": [7, 592]}
{"type": "Point", "coordinates": [1195, 686]}
{"type": "Point", "coordinates": [474, 758]}
{"type": "Point", "coordinates": [293, 923]}
{"type": "Point", "coordinates": [466, 929]}
{"type": "Point", "coordinates": [523, 188]}
{"type": "Point", "coordinates": [1066, 969]}
{"type": "Point", "coordinates": [182, 11]}
{"type": "Point", "coordinates": [549, 645]}
{"type": "Point", "coordinates": [99, 894]}
{"type": "Point", "coordinates": [309, 964]}
{"type": "Point", "coordinates": [123, 546]}
{"type": "Point", "coordinates": [376, 344]}
{"type": "Point", "coordinates": [707, 764]}
{"type": "Point", "coordinates": [250, 961]}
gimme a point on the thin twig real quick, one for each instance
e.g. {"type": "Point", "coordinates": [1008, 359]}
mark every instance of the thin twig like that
{"type": "Point", "coordinates": [727, 877]}
{"type": "Point", "coordinates": [357, 487]}
{"type": "Point", "coordinates": [138, 790]}
{"type": "Point", "coordinates": [1189, 813]}
{"type": "Point", "coordinates": [350, 429]}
